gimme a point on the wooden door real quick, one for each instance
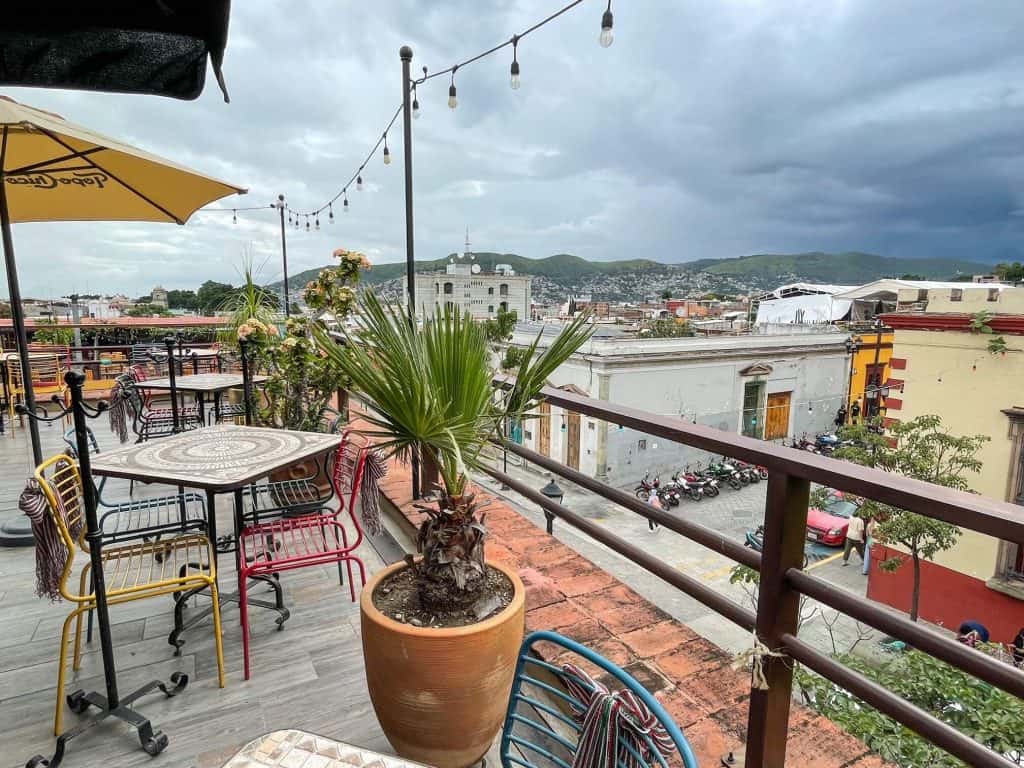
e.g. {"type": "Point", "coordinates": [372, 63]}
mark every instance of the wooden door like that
{"type": "Point", "coordinates": [572, 452]}
{"type": "Point", "coordinates": [544, 429]}
{"type": "Point", "coordinates": [776, 422]}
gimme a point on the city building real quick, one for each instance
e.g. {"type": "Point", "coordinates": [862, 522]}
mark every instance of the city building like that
{"type": "Point", "coordinates": [947, 368]}
{"type": "Point", "coordinates": [469, 289]}
{"type": "Point", "coordinates": [158, 297]}
{"type": "Point", "coordinates": [770, 387]}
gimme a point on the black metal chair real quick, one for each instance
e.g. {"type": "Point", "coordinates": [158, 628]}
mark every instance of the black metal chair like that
{"type": "Point", "coordinates": [149, 423]}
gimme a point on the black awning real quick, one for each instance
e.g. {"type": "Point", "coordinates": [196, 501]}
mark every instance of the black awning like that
{"type": "Point", "coordinates": [156, 47]}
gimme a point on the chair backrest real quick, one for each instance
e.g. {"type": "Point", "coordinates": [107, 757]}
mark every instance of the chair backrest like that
{"type": "Point", "coordinates": [45, 370]}
{"type": "Point", "coordinates": [62, 486]}
{"type": "Point", "coordinates": [138, 372]}
{"type": "Point", "coordinates": [543, 724]}
{"type": "Point", "coordinates": [349, 461]}
{"type": "Point", "coordinates": [131, 395]}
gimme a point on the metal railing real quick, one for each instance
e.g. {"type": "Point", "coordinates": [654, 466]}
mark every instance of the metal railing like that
{"type": "Point", "coordinates": [782, 578]}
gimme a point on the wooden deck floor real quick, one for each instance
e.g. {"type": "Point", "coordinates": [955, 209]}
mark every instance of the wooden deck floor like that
{"type": "Point", "coordinates": [309, 676]}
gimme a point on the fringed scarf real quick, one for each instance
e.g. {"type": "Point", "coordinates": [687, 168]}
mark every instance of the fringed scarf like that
{"type": "Point", "coordinates": [118, 411]}
{"type": "Point", "coordinates": [373, 472]}
{"type": "Point", "coordinates": [51, 553]}
{"type": "Point", "coordinates": [611, 724]}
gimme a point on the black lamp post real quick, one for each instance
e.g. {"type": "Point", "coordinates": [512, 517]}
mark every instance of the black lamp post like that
{"type": "Point", "coordinates": [556, 494]}
{"type": "Point", "coordinates": [852, 345]}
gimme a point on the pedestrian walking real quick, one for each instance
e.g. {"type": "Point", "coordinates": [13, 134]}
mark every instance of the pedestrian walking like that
{"type": "Point", "coordinates": [841, 417]}
{"type": "Point", "coordinates": [854, 412]}
{"type": "Point", "coordinates": [655, 502]}
{"type": "Point", "coordinates": [869, 539]}
{"type": "Point", "coordinates": [854, 538]}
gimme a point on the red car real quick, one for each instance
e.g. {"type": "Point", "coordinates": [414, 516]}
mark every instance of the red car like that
{"type": "Point", "coordinates": [828, 525]}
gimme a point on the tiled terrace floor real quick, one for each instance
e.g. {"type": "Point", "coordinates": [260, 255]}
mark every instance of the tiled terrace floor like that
{"type": "Point", "coordinates": [308, 676]}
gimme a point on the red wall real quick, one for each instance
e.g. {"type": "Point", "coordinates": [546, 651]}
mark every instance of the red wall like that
{"type": "Point", "coordinates": [948, 597]}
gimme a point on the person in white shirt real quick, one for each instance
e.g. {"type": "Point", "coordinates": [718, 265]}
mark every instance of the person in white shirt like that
{"type": "Point", "coordinates": [854, 538]}
{"type": "Point", "coordinates": [869, 539]}
{"type": "Point", "coordinates": [655, 502]}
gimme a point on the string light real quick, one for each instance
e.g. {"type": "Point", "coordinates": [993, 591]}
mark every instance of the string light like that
{"type": "Point", "coordinates": [330, 213]}
{"type": "Point", "coordinates": [234, 216]}
{"type": "Point", "coordinates": [607, 36]}
{"type": "Point", "coordinates": [359, 181]}
{"type": "Point", "coordinates": [387, 152]}
{"type": "Point", "coordinates": [307, 222]}
{"type": "Point", "coordinates": [452, 101]}
{"type": "Point", "coordinates": [317, 224]}
{"type": "Point", "coordinates": [344, 207]}
{"type": "Point", "coordinates": [514, 79]}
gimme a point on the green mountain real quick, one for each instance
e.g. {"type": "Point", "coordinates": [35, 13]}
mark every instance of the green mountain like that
{"type": "Point", "coordinates": [841, 268]}
{"type": "Point", "coordinates": [759, 270]}
{"type": "Point", "coordinates": [560, 267]}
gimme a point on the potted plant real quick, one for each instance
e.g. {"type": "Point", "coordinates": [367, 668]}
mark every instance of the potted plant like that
{"type": "Point", "coordinates": [441, 631]}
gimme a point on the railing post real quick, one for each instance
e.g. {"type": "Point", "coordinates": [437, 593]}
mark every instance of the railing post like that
{"type": "Point", "coordinates": [778, 608]}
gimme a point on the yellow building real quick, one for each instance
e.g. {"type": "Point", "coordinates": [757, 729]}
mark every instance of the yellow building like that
{"type": "Point", "coordinates": [869, 369]}
{"type": "Point", "coordinates": [947, 368]}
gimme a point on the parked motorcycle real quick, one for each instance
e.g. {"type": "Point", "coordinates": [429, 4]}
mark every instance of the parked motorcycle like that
{"type": "Point", "coordinates": [708, 483]}
{"type": "Point", "coordinates": [694, 489]}
{"type": "Point", "coordinates": [643, 490]}
{"type": "Point", "coordinates": [751, 472]}
{"type": "Point", "coordinates": [723, 471]}
{"type": "Point", "coordinates": [755, 539]}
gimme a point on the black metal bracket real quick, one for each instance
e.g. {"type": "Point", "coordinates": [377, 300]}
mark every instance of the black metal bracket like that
{"type": "Point", "coordinates": [153, 742]}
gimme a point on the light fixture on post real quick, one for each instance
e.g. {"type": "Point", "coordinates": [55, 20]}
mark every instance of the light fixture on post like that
{"type": "Point", "coordinates": [514, 80]}
{"type": "Point", "coordinates": [281, 206]}
{"type": "Point", "coordinates": [452, 101]}
{"type": "Point", "coordinates": [415, 105]}
{"type": "Point", "coordinates": [607, 36]}
{"type": "Point", "coordinates": [387, 152]}
{"type": "Point", "coordinates": [556, 494]}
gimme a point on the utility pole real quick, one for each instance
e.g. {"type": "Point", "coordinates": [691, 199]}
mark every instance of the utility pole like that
{"type": "Point", "coordinates": [284, 256]}
{"type": "Point", "coordinates": [76, 320]}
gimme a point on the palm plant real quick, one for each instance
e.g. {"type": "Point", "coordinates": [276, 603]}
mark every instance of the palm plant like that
{"type": "Point", "coordinates": [248, 302]}
{"type": "Point", "coordinates": [433, 390]}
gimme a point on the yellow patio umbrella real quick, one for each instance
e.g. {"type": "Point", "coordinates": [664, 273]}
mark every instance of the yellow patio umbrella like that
{"type": "Point", "coordinates": [53, 170]}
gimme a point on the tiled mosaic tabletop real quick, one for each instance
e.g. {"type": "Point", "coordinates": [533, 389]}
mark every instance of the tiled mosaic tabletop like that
{"type": "Point", "coordinates": [298, 749]}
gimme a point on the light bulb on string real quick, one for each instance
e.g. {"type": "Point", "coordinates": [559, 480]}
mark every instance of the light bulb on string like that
{"type": "Point", "coordinates": [607, 36]}
{"type": "Point", "coordinates": [359, 181]}
{"type": "Point", "coordinates": [317, 225]}
{"type": "Point", "coordinates": [387, 152]}
{"type": "Point", "coordinates": [234, 216]}
{"type": "Point", "coordinates": [330, 213]}
{"type": "Point", "coordinates": [344, 206]}
{"type": "Point", "coordinates": [514, 79]}
{"type": "Point", "coordinates": [453, 102]}
{"type": "Point", "coordinates": [307, 222]}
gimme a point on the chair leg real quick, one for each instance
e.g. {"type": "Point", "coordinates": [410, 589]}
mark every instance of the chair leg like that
{"type": "Point", "coordinates": [341, 577]}
{"type": "Point", "coordinates": [217, 639]}
{"type": "Point", "coordinates": [243, 612]}
{"type": "Point", "coordinates": [62, 662]}
{"type": "Point", "coordinates": [76, 662]}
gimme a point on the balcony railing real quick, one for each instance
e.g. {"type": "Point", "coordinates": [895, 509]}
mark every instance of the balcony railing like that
{"type": "Point", "coordinates": [782, 578]}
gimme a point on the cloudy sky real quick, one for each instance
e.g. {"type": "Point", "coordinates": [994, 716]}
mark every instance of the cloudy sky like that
{"type": "Point", "coordinates": [710, 128]}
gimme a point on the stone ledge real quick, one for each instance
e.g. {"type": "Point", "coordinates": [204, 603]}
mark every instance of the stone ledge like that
{"type": "Point", "coordinates": [692, 677]}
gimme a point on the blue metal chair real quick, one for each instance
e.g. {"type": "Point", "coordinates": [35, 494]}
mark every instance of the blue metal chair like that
{"type": "Point", "coordinates": [540, 730]}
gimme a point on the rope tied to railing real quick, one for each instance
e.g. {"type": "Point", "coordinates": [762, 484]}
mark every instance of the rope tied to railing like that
{"type": "Point", "coordinates": [754, 657]}
{"type": "Point", "coordinates": [611, 724]}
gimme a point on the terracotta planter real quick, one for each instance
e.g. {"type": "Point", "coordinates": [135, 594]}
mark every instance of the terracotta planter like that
{"type": "Point", "coordinates": [440, 694]}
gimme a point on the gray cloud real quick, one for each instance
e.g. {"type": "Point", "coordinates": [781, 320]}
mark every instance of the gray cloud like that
{"type": "Point", "coordinates": [709, 129]}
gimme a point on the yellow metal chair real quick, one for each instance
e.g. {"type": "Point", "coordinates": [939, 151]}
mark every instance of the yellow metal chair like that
{"type": "Point", "coordinates": [132, 572]}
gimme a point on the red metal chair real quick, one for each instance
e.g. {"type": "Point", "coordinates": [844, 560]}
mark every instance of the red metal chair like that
{"type": "Point", "coordinates": [314, 539]}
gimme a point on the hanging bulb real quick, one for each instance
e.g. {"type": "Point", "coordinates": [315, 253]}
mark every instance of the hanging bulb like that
{"type": "Point", "coordinates": [317, 222]}
{"type": "Point", "coordinates": [344, 206]}
{"type": "Point", "coordinates": [234, 217]}
{"type": "Point", "coordinates": [330, 213]}
{"type": "Point", "coordinates": [974, 367]}
{"type": "Point", "coordinates": [810, 408]}
{"type": "Point", "coordinates": [307, 223]}
{"type": "Point", "coordinates": [387, 156]}
{"type": "Point", "coordinates": [514, 80]}
{"type": "Point", "coordinates": [452, 101]}
{"type": "Point", "coordinates": [415, 108]}
{"type": "Point", "coordinates": [607, 36]}
{"type": "Point", "coordinates": [359, 183]}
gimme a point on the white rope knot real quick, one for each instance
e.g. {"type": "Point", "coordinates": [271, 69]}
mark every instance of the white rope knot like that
{"type": "Point", "coordinates": [754, 657]}
{"type": "Point", "coordinates": [617, 728]}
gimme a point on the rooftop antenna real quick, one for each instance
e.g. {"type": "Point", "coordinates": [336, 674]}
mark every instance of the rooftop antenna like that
{"type": "Point", "coordinates": [466, 253]}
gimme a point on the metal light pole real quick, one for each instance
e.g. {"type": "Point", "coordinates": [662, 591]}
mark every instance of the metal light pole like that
{"type": "Point", "coordinates": [284, 256]}
{"type": "Point", "coordinates": [405, 54]}
{"type": "Point", "coordinates": [851, 347]}
{"type": "Point", "coordinates": [554, 492]}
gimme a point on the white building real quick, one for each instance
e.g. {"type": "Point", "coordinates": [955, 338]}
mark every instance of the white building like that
{"type": "Point", "coordinates": [469, 289]}
{"type": "Point", "coordinates": [771, 387]}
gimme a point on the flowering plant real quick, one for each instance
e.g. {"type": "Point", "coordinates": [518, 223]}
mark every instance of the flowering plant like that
{"type": "Point", "coordinates": [302, 378]}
